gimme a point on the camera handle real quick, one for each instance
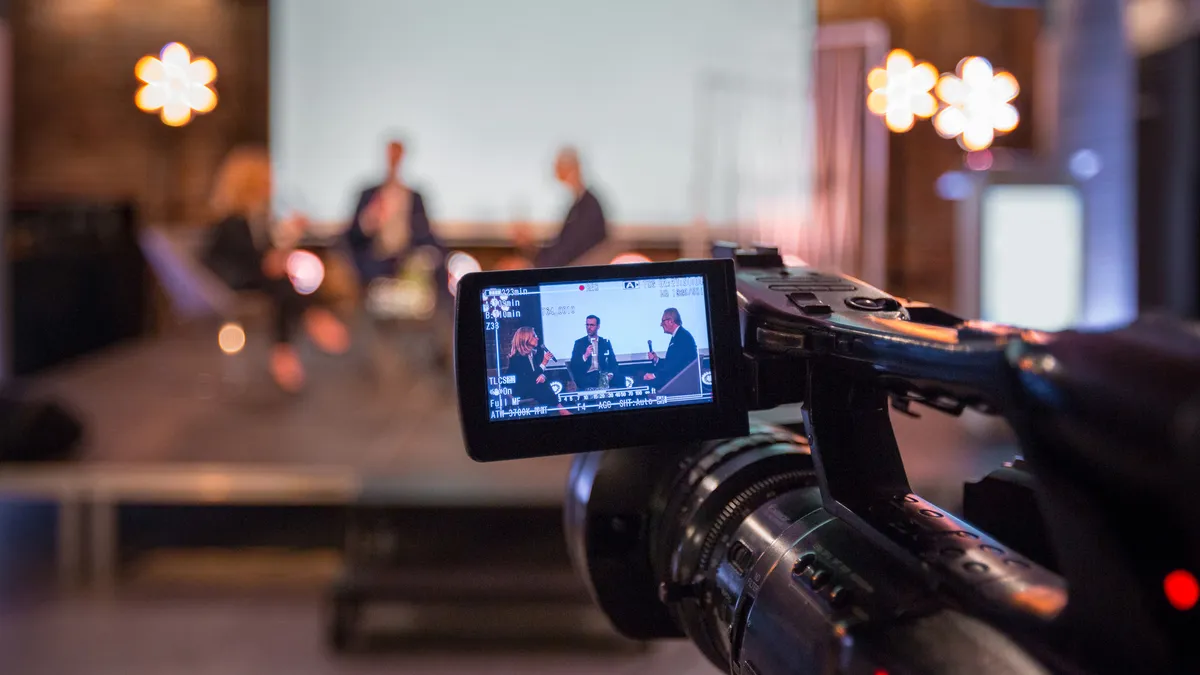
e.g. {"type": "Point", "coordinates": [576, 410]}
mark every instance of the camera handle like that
{"type": "Point", "coordinates": [862, 480]}
{"type": "Point", "coordinates": [854, 449]}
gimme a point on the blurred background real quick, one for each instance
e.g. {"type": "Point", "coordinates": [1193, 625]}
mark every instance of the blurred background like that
{"type": "Point", "coordinates": [228, 434]}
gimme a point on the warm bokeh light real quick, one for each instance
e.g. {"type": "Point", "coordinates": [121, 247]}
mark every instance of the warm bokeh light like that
{"type": "Point", "coordinates": [231, 338]}
{"type": "Point", "coordinates": [175, 85]}
{"type": "Point", "coordinates": [977, 104]}
{"type": "Point", "coordinates": [458, 265]}
{"type": "Point", "coordinates": [629, 258]}
{"type": "Point", "coordinates": [900, 91]}
{"type": "Point", "coordinates": [306, 271]}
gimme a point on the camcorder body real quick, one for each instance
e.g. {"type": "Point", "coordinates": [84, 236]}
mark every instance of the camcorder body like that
{"type": "Point", "coordinates": [802, 548]}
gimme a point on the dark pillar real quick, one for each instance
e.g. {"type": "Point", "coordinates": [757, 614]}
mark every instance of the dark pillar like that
{"type": "Point", "coordinates": [5, 153]}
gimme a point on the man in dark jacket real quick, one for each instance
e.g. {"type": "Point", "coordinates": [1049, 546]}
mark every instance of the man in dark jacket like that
{"type": "Point", "coordinates": [591, 356]}
{"type": "Point", "coordinates": [584, 228]}
{"type": "Point", "coordinates": [681, 352]}
{"type": "Point", "coordinates": [389, 223]}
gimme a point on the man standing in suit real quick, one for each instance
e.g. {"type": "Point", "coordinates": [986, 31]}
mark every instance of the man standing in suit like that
{"type": "Point", "coordinates": [591, 356]}
{"type": "Point", "coordinates": [389, 223]}
{"type": "Point", "coordinates": [584, 227]}
{"type": "Point", "coordinates": [681, 352]}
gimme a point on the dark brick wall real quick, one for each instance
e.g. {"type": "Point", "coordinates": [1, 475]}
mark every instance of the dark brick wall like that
{"type": "Point", "coordinates": [76, 132]}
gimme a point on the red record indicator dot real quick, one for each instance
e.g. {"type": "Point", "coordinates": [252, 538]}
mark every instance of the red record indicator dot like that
{"type": "Point", "coordinates": [581, 287]}
{"type": "Point", "coordinates": [1182, 590]}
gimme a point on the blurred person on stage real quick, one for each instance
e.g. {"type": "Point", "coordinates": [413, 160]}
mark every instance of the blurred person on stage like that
{"type": "Point", "coordinates": [584, 229]}
{"type": "Point", "coordinates": [681, 351]}
{"type": "Point", "coordinates": [527, 360]}
{"type": "Point", "coordinates": [390, 223]}
{"type": "Point", "coordinates": [248, 249]}
{"type": "Point", "coordinates": [591, 356]}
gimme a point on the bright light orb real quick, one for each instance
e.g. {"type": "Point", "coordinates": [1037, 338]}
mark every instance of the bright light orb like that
{"type": "Point", "coordinates": [900, 91]}
{"type": "Point", "coordinates": [629, 258]}
{"type": "Point", "coordinates": [977, 104]}
{"type": "Point", "coordinates": [231, 338]}
{"type": "Point", "coordinates": [459, 265]}
{"type": "Point", "coordinates": [306, 271]}
{"type": "Point", "coordinates": [175, 85]}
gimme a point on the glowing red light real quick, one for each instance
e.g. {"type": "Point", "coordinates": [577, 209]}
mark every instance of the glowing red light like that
{"type": "Point", "coordinates": [881, 671]}
{"type": "Point", "coordinates": [1182, 590]}
{"type": "Point", "coordinates": [581, 287]}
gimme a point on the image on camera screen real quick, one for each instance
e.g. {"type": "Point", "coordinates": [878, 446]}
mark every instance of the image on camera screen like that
{"type": "Point", "coordinates": [596, 346]}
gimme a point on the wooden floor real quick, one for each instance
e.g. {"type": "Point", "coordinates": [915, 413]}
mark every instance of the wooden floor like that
{"type": "Point", "coordinates": [253, 637]}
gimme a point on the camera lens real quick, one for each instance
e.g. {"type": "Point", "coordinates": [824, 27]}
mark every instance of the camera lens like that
{"type": "Point", "coordinates": [767, 476]}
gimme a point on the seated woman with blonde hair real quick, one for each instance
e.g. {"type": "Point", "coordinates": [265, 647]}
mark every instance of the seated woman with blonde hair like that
{"type": "Point", "coordinates": [248, 250]}
{"type": "Point", "coordinates": [527, 360]}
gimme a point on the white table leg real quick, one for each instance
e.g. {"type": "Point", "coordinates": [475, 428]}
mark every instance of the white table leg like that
{"type": "Point", "coordinates": [104, 543]}
{"type": "Point", "coordinates": [69, 539]}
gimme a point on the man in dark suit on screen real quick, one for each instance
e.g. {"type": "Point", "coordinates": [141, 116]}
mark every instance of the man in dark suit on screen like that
{"type": "Point", "coordinates": [592, 356]}
{"type": "Point", "coordinates": [681, 353]}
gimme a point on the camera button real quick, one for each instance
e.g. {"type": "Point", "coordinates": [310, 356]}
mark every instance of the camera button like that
{"type": "Point", "coordinates": [976, 567]}
{"type": "Point", "coordinates": [873, 304]}
{"type": "Point", "coordinates": [839, 596]}
{"type": "Point", "coordinates": [809, 303]}
{"type": "Point", "coordinates": [818, 578]}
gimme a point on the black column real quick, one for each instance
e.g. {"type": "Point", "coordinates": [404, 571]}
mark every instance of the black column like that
{"type": "Point", "coordinates": [1168, 170]}
{"type": "Point", "coordinates": [5, 154]}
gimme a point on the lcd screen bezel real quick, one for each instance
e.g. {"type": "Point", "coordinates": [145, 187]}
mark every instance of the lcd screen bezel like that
{"type": "Point", "coordinates": [489, 441]}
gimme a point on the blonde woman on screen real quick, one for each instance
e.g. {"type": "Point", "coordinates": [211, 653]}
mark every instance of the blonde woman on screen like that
{"type": "Point", "coordinates": [527, 360]}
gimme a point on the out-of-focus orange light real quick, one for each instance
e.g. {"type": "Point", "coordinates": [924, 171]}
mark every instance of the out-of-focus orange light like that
{"type": "Point", "coordinates": [231, 338]}
{"type": "Point", "coordinates": [1182, 590]}
{"type": "Point", "coordinates": [628, 258]}
{"type": "Point", "coordinates": [900, 91]}
{"type": "Point", "coordinates": [977, 104]}
{"type": "Point", "coordinates": [175, 85]}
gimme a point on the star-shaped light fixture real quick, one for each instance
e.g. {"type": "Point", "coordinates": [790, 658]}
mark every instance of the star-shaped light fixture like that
{"type": "Point", "coordinates": [978, 104]}
{"type": "Point", "coordinates": [175, 85]}
{"type": "Point", "coordinates": [900, 91]}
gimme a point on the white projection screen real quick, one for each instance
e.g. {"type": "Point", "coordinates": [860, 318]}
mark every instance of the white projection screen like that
{"type": "Point", "coordinates": [1031, 256]}
{"type": "Point", "coordinates": [627, 319]}
{"type": "Point", "coordinates": [484, 92]}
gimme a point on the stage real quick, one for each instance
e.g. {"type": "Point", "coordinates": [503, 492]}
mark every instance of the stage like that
{"type": "Point", "coordinates": [173, 421]}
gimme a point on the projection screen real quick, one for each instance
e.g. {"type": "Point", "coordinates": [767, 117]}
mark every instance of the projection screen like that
{"type": "Point", "coordinates": [680, 108]}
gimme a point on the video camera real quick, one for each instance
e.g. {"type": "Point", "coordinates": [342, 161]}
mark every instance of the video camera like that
{"type": "Point", "coordinates": [803, 549]}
